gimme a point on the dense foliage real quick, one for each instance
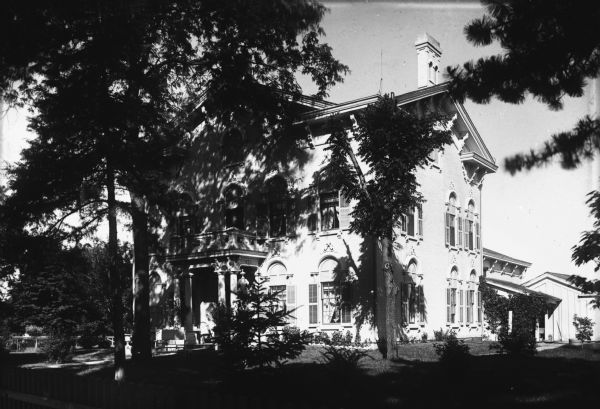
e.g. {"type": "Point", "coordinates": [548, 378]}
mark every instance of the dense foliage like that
{"type": "Point", "coordinates": [255, 332]}
{"type": "Point", "coordinates": [65, 291]}
{"type": "Point", "coordinates": [584, 328]}
{"type": "Point", "coordinates": [115, 86]}
{"type": "Point", "coordinates": [551, 49]}
{"type": "Point", "coordinates": [519, 339]}
{"type": "Point", "coordinates": [453, 353]}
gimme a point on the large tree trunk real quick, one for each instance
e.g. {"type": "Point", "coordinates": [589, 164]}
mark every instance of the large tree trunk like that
{"type": "Point", "coordinates": [142, 347]}
{"type": "Point", "coordinates": [390, 297]}
{"type": "Point", "coordinates": [115, 278]}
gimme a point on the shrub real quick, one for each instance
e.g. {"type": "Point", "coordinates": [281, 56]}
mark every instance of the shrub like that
{"type": "Point", "coordinates": [442, 335]}
{"type": "Point", "coordinates": [343, 361]}
{"type": "Point", "coordinates": [584, 327]}
{"type": "Point", "coordinates": [424, 337]}
{"type": "Point", "coordinates": [452, 352]}
{"type": "Point", "coordinates": [3, 351]}
{"type": "Point", "coordinates": [321, 338]}
{"type": "Point", "coordinates": [59, 349]}
{"type": "Point", "coordinates": [517, 343]}
{"type": "Point", "coordinates": [348, 338]}
{"type": "Point", "coordinates": [33, 330]}
{"type": "Point", "coordinates": [337, 338]}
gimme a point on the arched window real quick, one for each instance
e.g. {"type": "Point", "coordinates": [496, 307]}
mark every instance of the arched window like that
{"type": "Point", "coordinates": [281, 291]}
{"type": "Point", "coordinates": [335, 297]}
{"type": "Point", "coordinates": [411, 295]}
{"type": "Point", "coordinates": [234, 207]}
{"type": "Point", "coordinates": [451, 293]}
{"type": "Point", "coordinates": [278, 199]}
{"type": "Point", "coordinates": [451, 221]}
{"type": "Point", "coordinates": [471, 230]}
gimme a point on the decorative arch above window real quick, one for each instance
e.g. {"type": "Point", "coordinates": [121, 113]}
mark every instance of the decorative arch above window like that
{"type": "Point", "coordinates": [328, 264]}
{"type": "Point", "coordinates": [277, 268]}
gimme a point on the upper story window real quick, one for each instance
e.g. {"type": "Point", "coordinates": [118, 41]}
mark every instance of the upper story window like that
{"type": "Point", "coordinates": [278, 200]}
{"type": "Point", "coordinates": [411, 224]}
{"type": "Point", "coordinates": [234, 207]}
{"type": "Point", "coordinates": [450, 220]}
{"type": "Point", "coordinates": [329, 206]}
{"type": "Point", "coordinates": [331, 211]}
{"type": "Point", "coordinates": [472, 239]}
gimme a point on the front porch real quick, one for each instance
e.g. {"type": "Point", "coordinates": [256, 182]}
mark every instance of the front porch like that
{"type": "Point", "coordinates": [207, 272]}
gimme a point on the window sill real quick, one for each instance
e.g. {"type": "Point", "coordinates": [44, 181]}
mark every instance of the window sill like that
{"type": "Point", "coordinates": [452, 248]}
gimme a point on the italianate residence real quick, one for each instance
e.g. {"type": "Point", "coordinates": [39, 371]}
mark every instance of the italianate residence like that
{"type": "Point", "coordinates": [291, 228]}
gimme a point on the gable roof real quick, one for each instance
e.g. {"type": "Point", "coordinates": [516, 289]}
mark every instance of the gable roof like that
{"type": "Point", "coordinates": [559, 278]}
{"type": "Point", "coordinates": [473, 150]}
{"type": "Point", "coordinates": [515, 288]}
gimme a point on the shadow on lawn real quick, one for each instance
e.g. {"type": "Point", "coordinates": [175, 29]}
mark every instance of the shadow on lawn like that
{"type": "Point", "coordinates": [556, 378]}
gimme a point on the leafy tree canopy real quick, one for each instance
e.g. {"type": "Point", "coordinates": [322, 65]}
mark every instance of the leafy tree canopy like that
{"type": "Point", "coordinates": [550, 50]}
{"type": "Point", "coordinates": [393, 143]}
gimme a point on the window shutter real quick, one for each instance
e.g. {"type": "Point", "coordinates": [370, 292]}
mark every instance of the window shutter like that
{"type": "Point", "coordinates": [460, 312]}
{"type": "Point", "coordinates": [344, 211]}
{"type": "Point", "coordinates": [448, 304]}
{"type": "Point", "coordinates": [312, 304]}
{"type": "Point", "coordinates": [291, 302]}
{"type": "Point", "coordinates": [311, 211]}
{"type": "Point", "coordinates": [447, 229]}
{"type": "Point", "coordinates": [467, 229]}
{"type": "Point", "coordinates": [477, 236]}
{"type": "Point", "coordinates": [262, 219]}
{"type": "Point", "coordinates": [460, 231]}
{"type": "Point", "coordinates": [420, 222]}
{"type": "Point", "coordinates": [479, 309]}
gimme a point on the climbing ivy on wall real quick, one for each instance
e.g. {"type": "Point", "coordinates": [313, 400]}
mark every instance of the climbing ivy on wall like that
{"type": "Point", "coordinates": [525, 308]}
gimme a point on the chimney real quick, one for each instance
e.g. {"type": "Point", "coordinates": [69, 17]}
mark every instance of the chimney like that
{"type": "Point", "coordinates": [428, 60]}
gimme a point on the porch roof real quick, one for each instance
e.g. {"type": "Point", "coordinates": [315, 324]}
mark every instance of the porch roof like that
{"type": "Point", "coordinates": [514, 288]}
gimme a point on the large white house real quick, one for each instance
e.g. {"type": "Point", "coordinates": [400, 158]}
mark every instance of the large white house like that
{"type": "Point", "coordinates": [294, 231]}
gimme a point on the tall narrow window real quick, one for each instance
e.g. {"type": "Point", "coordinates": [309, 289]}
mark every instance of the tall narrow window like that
{"type": "Point", "coordinates": [278, 197]}
{"type": "Point", "coordinates": [234, 207]}
{"type": "Point", "coordinates": [344, 211]}
{"type": "Point", "coordinates": [451, 221]}
{"type": "Point", "coordinates": [451, 295]}
{"type": "Point", "coordinates": [477, 236]}
{"type": "Point", "coordinates": [329, 211]}
{"type": "Point", "coordinates": [420, 220]}
{"type": "Point", "coordinates": [460, 231]}
{"type": "Point", "coordinates": [410, 222]}
{"type": "Point", "coordinates": [470, 299]}
{"type": "Point", "coordinates": [291, 302]}
{"type": "Point", "coordinates": [312, 304]}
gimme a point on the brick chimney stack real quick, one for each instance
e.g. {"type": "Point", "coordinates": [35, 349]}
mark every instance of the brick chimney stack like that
{"type": "Point", "coordinates": [429, 53]}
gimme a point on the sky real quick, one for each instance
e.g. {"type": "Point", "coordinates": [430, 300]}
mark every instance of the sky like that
{"type": "Point", "coordinates": [535, 216]}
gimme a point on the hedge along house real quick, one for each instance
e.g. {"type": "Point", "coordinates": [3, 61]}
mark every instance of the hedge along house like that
{"type": "Point", "coordinates": [292, 228]}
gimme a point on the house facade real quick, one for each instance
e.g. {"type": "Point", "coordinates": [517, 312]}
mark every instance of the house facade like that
{"type": "Point", "coordinates": [293, 229]}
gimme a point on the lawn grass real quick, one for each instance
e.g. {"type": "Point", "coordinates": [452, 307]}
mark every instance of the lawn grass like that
{"type": "Point", "coordinates": [567, 376]}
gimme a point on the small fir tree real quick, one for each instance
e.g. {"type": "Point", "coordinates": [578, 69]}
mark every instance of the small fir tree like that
{"type": "Point", "coordinates": [254, 333]}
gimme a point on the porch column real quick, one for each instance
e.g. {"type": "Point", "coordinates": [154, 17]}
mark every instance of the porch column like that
{"type": "Point", "coordinates": [176, 301]}
{"type": "Point", "coordinates": [189, 311]}
{"type": "Point", "coordinates": [222, 298]}
{"type": "Point", "coordinates": [233, 281]}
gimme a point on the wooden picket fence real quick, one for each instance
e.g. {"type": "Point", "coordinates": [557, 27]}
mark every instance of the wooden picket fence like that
{"type": "Point", "coordinates": [40, 389]}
